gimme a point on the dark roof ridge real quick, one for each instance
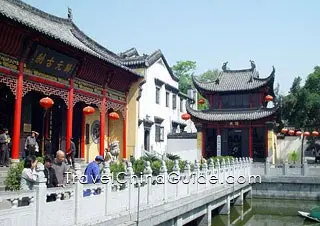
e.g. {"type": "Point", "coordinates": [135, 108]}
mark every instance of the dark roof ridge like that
{"type": "Point", "coordinates": [92, 44]}
{"type": "Point", "coordinates": [128, 53]}
{"type": "Point", "coordinates": [39, 12]}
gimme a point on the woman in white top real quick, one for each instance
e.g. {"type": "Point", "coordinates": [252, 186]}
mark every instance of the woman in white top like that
{"type": "Point", "coordinates": [29, 176]}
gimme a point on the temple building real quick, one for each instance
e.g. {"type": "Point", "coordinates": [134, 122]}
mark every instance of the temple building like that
{"type": "Point", "coordinates": [239, 121]}
{"type": "Point", "coordinates": [93, 95]}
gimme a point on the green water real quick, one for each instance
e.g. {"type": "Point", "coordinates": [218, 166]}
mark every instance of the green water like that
{"type": "Point", "coordinates": [266, 212]}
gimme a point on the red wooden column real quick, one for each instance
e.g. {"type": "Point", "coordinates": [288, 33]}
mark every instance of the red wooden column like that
{"type": "Point", "coordinates": [250, 141]}
{"type": "Point", "coordinates": [266, 142]}
{"type": "Point", "coordinates": [83, 128]}
{"type": "Point", "coordinates": [125, 134]}
{"type": "Point", "coordinates": [69, 116]}
{"type": "Point", "coordinates": [17, 115]}
{"type": "Point", "coordinates": [102, 121]}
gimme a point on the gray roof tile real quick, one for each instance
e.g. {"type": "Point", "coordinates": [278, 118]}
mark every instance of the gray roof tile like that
{"type": "Point", "coordinates": [231, 114]}
{"type": "Point", "coordinates": [234, 80]}
{"type": "Point", "coordinates": [58, 28]}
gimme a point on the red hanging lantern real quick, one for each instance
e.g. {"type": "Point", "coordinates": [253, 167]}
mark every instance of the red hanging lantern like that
{"type": "Point", "coordinates": [291, 132]}
{"type": "Point", "coordinates": [185, 116]}
{"type": "Point", "coordinates": [88, 110]}
{"type": "Point", "coordinates": [268, 98]}
{"type": "Point", "coordinates": [298, 133]}
{"type": "Point", "coordinates": [284, 130]}
{"type": "Point", "coordinates": [201, 101]}
{"type": "Point", "coordinates": [315, 133]}
{"type": "Point", "coordinates": [46, 102]}
{"type": "Point", "coordinates": [306, 134]}
{"type": "Point", "coordinates": [114, 115]}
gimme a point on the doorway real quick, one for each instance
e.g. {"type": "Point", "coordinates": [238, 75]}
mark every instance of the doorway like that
{"type": "Point", "coordinates": [147, 140]}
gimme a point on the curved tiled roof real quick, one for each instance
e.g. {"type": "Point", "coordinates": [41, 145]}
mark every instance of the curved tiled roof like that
{"type": "Point", "coordinates": [234, 80]}
{"type": "Point", "coordinates": [131, 57]}
{"type": "Point", "coordinates": [231, 114]}
{"type": "Point", "coordinates": [58, 28]}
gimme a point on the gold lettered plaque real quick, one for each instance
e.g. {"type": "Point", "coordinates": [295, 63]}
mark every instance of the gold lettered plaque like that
{"type": "Point", "coordinates": [26, 127]}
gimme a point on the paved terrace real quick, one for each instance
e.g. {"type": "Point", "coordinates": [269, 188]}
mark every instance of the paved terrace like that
{"type": "Point", "coordinates": [175, 203]}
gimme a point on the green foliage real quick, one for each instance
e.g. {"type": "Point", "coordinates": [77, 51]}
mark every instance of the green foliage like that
{"type": "Point", "coordinates": [149, 157]}
{"type": "Point", "coordinates": [294, 156]}
{"type": "Point", "coordinates": [184, 71]}
{"type": "Point", "coordinates": [173, 156]}
{"type": "Point", "coordinates": [116, 168]}
{"type": "Point", "coordinates": [220, 158]}
{"type": "Point", "coordinates": [182, 165]}
{"type": "Point", "coordinates": [155, 166]}
{"type": "Point", "coordinates": [12, 181]}
{"type": "Point", "coordinates": [138, 166]}
{"type": "Point", "coordinates": [169, 164]}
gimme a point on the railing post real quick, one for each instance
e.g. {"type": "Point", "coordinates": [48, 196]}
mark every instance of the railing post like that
{"type": "Point", "coordinates": [285, 168]}
{"type": "Point", "coordinates": [187, 173]}
{"type": "Point", "coordinates": [197, 173]}
{"type": "Point", "coordinates": [78, 196]}
{"type": "Point", "coordinates": [204, 171]}
{"type": "Point", "coordinates": [41, 196]}
{"type": "Point", "coordinates": [148, 174]}
{"type": "Point", "coordinates": [176, 169]}
{"type": "Point", "coordinates": [129, 179]}
{"type": "Point", "coordinates": [217, 166]}
{"type": "Point", "coordinates": [107, 186]}
{"type": "Point", "coordinates": [305, 167]}
{"type": "Point", "coordinates": [223, 171]}
{"type": "Point", "coordinates": [250, 165]}
{"type": "Point", "coordinates": [164, 174]}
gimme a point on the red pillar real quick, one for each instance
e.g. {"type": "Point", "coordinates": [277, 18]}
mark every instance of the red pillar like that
{"type": "Point", "coordinates": [69, 116]}
{"type": "Point", "coordinates": [266, 142]}
{"type": "Point", "coordinates": [102, 122]}
{"type": "Point", "coordinates": [125, 134]}
{"type": "Point", "coordinates": [17, 115]}
{"type": "Point", "coordinates": [83, 127]}
{"type": "Point", "coordinates": [250, 141]}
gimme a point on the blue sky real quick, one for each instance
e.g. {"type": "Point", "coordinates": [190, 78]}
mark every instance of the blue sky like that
{"type": "Point", "coordinates": [280, 33]}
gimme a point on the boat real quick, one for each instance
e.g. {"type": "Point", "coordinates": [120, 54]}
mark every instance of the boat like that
{"type": "Point", "coordinates": [313, 215]}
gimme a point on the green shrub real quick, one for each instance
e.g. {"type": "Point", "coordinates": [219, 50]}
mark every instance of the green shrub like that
{"type": "Point", "coordinates": [294, 156]}
{"type": "Point", "coordinates": [169, 164]}
{"type": "Point", "coordinates": [155, 166]}
{"type": "Point", "coordinates": [116, 168]}
{"type": "Point", "coordinates": [12, 181]}
{"type": "Point", "coordinates": [182, 165]}
{"type": "Point", "coordinates": [172, 156]}
{"type": "Point", "coordinates": [138, 166]}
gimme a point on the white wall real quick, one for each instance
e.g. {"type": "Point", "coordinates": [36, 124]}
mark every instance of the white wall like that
{"type": "Point", "coordinates": [185, 148]}
{"type": "Point", "coordinates": [149, 107]}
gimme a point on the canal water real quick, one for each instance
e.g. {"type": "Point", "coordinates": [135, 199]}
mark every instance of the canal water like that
{"type": "Point", "coordinates": [266, 212]}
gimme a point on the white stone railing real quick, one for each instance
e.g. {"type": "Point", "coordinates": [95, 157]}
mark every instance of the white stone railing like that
{"type": "Point", "coordinates": [285, 169]}
{"type": "Point", "coordinates": [106, 200]}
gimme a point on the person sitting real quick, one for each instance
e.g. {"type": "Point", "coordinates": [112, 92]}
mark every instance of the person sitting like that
{"type": "Point", "coordinates": [29, 176]}
{"type": "Point", "coordinates": [50, 174]}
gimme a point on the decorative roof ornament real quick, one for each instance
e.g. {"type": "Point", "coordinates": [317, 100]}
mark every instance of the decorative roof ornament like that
{"type": "Point", "coordinates": [253, 66]}
{"type": "Point", "coordinates": [224, 66]}
{"type": "Point", "coordinates": [69, 13]}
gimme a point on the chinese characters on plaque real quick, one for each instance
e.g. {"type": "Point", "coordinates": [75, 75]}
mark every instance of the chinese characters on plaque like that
{"type": "Point", "coordinates": [51, 62]}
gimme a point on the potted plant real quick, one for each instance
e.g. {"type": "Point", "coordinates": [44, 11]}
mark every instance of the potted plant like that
{"type": "Point", "coordinates": [294, 157]}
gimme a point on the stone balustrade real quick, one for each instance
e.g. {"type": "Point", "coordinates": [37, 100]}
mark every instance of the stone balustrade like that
{"type": "Point", "coordinates": [116, 196]}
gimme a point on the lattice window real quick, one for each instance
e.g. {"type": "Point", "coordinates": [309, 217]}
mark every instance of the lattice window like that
{"type": "Point", "coordinates": [10, 82]}
{"type": "Point", "coordinates": [45, 89]}
{"type": "Point", "coordinates": [117, 107]}
{"type": "Point", "coordinates": [86, 99]}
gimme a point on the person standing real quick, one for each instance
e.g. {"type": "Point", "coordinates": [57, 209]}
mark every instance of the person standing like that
{"type": "Point", "coordinates": [48, 147]}
{"type": "Point", "coordinates": [71, 153]}
{"type": "Point", "coordinates": [92, 173]}
{"type": "Point", "coordinates": [31, 145]}
{"type": "Point", "coordinates": [4, 148]}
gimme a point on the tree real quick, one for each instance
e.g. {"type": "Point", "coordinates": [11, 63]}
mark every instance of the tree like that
{"type": "Point", "coordinates": [184, 70]}
{"type": "Point", "coordinates": [208, 76]}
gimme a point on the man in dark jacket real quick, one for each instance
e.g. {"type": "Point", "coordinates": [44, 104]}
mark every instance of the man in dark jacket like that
{"type": "Point", "coordinates": [72, 152]}
{"type": "Point", "coordinates": [4, 148]}
{"type": "Point", "coordinates": [50, 174]}
{"type": "Point", "coordinates": [48, 147]}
